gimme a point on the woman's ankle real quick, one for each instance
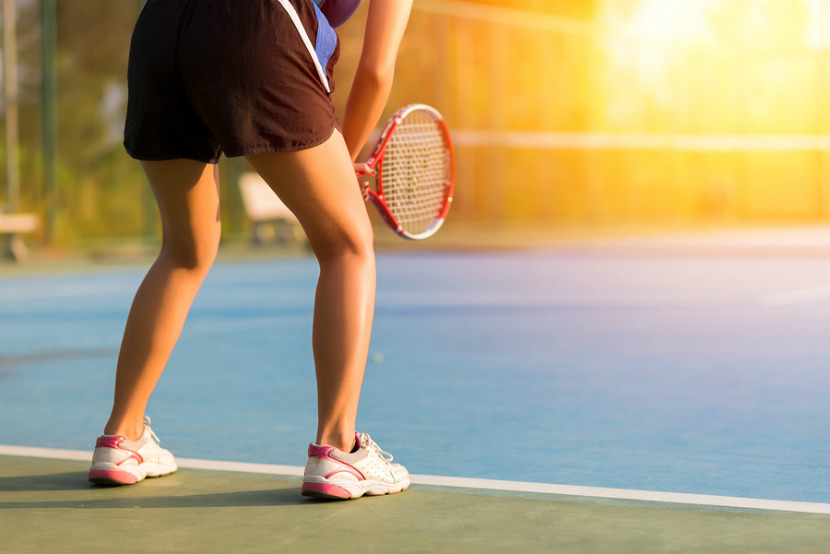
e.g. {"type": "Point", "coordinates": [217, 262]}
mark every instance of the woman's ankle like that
{"type": "Point", "coordinates": [131, 430]}
{"type": "Point", "coordinates": [345, 442]}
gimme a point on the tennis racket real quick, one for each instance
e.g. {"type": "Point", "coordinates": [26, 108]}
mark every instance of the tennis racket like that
{"type": "Point", "coordinates": [415, 172]}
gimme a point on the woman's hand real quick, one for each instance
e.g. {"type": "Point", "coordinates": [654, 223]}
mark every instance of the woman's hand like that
{"type": "Point", "coordinates": [362, 169]}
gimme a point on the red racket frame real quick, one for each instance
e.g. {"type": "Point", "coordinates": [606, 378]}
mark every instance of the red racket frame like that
{"type": "Point", "coordinates": [375, 159]}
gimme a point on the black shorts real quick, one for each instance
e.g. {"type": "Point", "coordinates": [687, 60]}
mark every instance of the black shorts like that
{"type": "Point", "coordinates": [233, 76]}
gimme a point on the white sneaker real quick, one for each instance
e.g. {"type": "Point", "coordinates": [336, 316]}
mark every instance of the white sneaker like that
{"type": "Point", "coordinates": [118, 461]}
{"type": "Point", "coordinates": [332, 473]}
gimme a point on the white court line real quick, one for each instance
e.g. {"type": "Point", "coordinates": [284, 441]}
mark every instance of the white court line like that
{"type": "Point", "coordinates": [464, 482]}
{"type": "Point", "coordinates": [799, 296]}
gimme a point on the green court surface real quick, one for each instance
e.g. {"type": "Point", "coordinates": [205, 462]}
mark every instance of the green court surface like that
{"type": "Point", "coordinates": [47, 506]}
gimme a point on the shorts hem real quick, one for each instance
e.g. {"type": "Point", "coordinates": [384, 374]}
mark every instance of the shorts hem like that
{"type": "Point", "coordinates": [151, 158]}
{"type": "Point", "coordinates": [244, 151]}
{"type": "Point", "coordinates": [265, 148]}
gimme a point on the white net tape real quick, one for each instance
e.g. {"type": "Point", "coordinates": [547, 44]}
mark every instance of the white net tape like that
{"type": "Point", "coordinates": [416, 172]}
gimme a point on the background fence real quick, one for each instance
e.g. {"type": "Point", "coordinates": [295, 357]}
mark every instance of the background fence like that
{"type": "Point", "coordinates": [562, 111]}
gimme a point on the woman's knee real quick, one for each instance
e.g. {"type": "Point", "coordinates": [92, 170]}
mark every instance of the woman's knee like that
{"type": "Point", "coordinates": [193, 253]}
{"type": "Point", "coordinates": [355, 241]}
{"type": "Point", "coordinates": [187, 193]}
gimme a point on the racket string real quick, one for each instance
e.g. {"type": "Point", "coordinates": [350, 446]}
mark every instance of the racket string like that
{"type": "Point", "coordinates": [416, 172]}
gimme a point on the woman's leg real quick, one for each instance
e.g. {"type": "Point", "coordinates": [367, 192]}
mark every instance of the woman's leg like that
{"type": "Point", "coordinates": [319, 186]}
{"type": "Point", "coordinates": [188, 199]}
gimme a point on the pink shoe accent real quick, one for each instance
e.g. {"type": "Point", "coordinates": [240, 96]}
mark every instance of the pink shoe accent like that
{"type": "Point", "coordinates": [110, 477]}
{"type": "Point", "coordinates": [347, 469]}
{"type": "Point", "coordinates": [319, 451]}
{"type": "Point", "coordinates": [109, 441]}
{"type": "Point", "coordinates": [114, 441]}
{"type": "Point", "coordinates": [324, 452]}
{"type": "Point", "coordinates": [323, 490]}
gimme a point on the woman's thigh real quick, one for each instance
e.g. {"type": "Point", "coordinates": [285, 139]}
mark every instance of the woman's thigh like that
{"type": "Point", "coordinates": [187, 193]}
{"type": "Point", "coordinates": [319, 185]}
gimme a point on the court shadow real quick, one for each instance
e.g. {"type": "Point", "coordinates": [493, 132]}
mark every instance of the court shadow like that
{"type": "Point", "coordinates": [70, 481]}
{"type": "Point", "coordinates": [243, 498]}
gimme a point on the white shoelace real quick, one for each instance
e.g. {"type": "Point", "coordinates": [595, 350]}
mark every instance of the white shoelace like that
{"type": "Point", "coordinates": [152, 434]}
{"type": "Point", "coordinates": [373, 446]}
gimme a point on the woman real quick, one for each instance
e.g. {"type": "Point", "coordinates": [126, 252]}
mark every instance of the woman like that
{"type": "Point", "coordinates": [253, 78]}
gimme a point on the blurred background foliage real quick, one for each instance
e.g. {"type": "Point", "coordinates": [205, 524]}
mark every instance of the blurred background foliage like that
{"type": "Point", "coordinates": [577, 112]}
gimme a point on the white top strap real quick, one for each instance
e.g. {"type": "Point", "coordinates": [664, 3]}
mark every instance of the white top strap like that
{"type": "Point", "coordinates": [295, 18]}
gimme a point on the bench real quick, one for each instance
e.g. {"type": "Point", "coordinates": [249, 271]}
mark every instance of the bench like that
{"type": "Point", "coordinates": [270, 218]}
{"type": "Point", "coordinates": [11, 227]}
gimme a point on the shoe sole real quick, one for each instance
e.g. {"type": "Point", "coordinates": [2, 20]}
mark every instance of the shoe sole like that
{"type": "Point", "coordinates": [123, 477]}
{"type": "Point", "coordinates": [350, 489]}
{"type": "Point", "coordinates": [108, 477]}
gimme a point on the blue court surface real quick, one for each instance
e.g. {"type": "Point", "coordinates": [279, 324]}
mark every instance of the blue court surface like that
{"type": "Point", "coordinates": [689, 364]}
